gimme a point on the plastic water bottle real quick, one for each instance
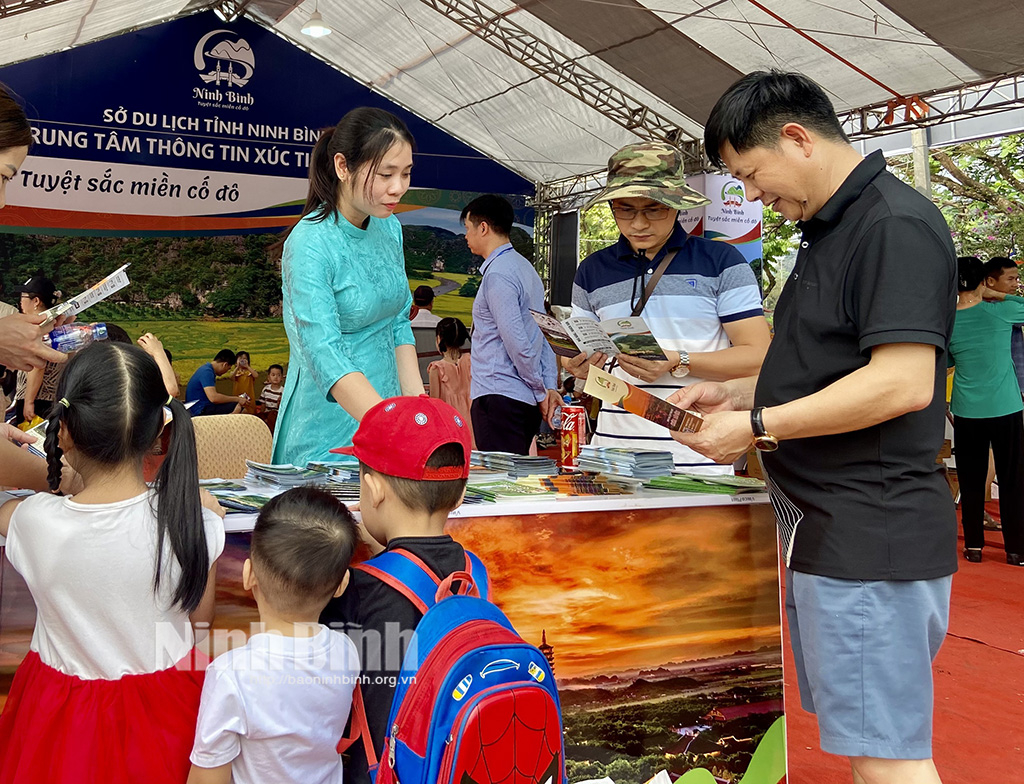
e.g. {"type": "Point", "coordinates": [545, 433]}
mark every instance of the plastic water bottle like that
{"type": "Point", "coordinates": [556, 420]}
{"type": "Point", "coordinates": [75, 336]}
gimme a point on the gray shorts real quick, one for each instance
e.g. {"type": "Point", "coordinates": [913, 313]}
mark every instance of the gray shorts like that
{"type": "Point", "coordinates": [864, 652]}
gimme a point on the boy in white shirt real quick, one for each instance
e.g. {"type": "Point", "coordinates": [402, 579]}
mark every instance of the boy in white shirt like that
{"type": "Point", "coordinates": [274, 710]}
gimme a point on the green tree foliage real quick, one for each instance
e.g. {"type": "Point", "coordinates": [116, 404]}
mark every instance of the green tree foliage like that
{"type": "Point", "coordinates": [597, 229]}
{"type": "Point", "coordinates": [470, 287]}
{"type": "Point", "coordinates": [979, 186]}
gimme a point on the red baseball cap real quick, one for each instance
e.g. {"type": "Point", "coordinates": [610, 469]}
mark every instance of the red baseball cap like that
{"type": "Point", "coordinates": [398, 435]}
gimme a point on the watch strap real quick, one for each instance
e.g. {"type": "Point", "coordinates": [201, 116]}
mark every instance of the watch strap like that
{"type": "Point", "coordinates": [757, 422]}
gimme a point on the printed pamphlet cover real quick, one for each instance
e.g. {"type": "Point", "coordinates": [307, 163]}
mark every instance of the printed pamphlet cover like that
{"type": "Point", "coordinates": [610, 389]}
{"type": "Point", "coordinates": [612, 336]}
{"type": "Point", "coordinates": [115, 281]}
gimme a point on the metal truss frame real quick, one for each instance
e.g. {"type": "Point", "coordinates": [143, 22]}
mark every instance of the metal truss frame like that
{"type": "Point", "coordinates": [974, 99]}
{"type": "Point", "coordinates": [15, 7]}
{"type": "Point", "coordinates": [567, 73]}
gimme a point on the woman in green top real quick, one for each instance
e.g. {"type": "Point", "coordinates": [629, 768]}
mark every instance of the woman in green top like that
{"type": "Point", "coordinates": [345, 293]}
{"type": "Point", "coordinates": [986, 406]}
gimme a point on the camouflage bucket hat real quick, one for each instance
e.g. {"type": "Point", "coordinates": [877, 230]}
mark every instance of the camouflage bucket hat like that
{"type": "Point", "coordinates": [650, 170]}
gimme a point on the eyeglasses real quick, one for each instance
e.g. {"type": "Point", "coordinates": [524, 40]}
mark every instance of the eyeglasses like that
{"type": "Point", "coordinates": [650, 213]}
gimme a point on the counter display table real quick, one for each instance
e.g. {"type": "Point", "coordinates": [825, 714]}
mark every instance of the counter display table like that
{"type": "Point", "coordinates": [659, 612]}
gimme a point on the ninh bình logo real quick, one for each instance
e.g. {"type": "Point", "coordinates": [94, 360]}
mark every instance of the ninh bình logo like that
{"type": "Point", "coordinates": [225, 62]}
{"type": "Point", "coordinates": [732, 194]}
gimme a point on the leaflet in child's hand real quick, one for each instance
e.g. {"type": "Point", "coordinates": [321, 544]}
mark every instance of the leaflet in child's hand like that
{"type": "Point", "coordinates": [616, 391]}
{"type": "Point", "coordinates": [612, 336]}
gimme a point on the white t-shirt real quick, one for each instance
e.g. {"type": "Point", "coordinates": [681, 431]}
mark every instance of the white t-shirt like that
{"type": "Point", "coordinates": [276, 708]}
{"type": "Point", "coordinates": [424, 318]}
{"type": "Point", "coordinates": [90, 570]}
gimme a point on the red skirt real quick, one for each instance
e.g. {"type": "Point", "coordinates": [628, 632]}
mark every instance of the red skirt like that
{"type": "Point", "coordinates": [60, 729]}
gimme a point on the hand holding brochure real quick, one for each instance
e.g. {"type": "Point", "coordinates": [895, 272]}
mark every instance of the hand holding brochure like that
{"type": "Point", "coordinates": [612, 336]}
{"type": "Point", "coordinates": [610, 389]}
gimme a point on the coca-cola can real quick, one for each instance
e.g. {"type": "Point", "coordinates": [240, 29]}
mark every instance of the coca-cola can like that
{"type": "Point", "coordinates": [574, 434]}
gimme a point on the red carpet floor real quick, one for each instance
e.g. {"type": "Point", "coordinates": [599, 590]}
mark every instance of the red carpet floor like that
{"type": "Point", "coordinates": [979, 685]}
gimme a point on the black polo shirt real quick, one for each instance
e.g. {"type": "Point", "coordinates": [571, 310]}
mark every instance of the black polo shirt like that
{"type": "Point", "coordinates": [876, 266]}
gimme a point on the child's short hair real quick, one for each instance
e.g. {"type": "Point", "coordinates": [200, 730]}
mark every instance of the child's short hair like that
{"type": "Point", "coordinates": [225, 355]}
{"type": "Point", "coordinates": [278, 367]}
{"type": "Point", "coordinates": [434, 496]}
{"type": "Point", "coordinates": [301, 548]}
{"type": "Point", "coordinates": [240, 354]}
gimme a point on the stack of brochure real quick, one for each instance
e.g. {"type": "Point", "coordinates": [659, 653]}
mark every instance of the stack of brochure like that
{"type": "Point", "coordinates": [700, 483]}
{"type": "Point", "coordinates": [639, 463]}
{"type": "Point", "coordinates": [515, 465]}
{"type": "Point", "coordinates": [336, 471]}
{"type": "Point", "coordinates": [508, 491]}
{"type": "Point", "coordinates": [283, 474]}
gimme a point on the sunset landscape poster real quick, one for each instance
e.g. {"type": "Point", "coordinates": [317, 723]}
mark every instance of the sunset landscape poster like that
{"type": "Point", "coordinates": [662, 625]}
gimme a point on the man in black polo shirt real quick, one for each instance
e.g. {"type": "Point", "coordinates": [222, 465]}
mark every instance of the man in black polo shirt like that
{"type": "Point", "coordinates": [849, 411]}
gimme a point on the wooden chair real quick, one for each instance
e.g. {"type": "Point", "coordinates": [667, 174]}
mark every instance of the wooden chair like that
{"type": "Point", "coordinates": [224, 443]}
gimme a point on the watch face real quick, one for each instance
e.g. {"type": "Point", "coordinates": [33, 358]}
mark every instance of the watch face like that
{"type": "Point", "coordinates": [681, 371]}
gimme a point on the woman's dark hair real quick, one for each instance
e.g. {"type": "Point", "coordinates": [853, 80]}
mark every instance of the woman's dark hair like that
{"type": "Point", "coordinates": [494, 210]}
{"type": "Point", "coordinates": [301, 547]}
{"type": "Point", "coordinates": [363, 136]}
{"type": "Point", "coordinates": [753, 111]}
{"type": "Point", "coordinates": [14, 128]}
{"type": "Point", "coordinates": [451, 333]}
{"type": "Point", "coordinates": [115, 410]}
{"type": "Point", "coordinates": [970, 273]}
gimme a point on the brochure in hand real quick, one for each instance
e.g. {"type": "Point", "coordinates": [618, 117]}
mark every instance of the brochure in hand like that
{"type": "Point", "coordinates": [612, 336]}
{"type": "Point", "coordinates": [616, 391]}
{"type": "Point", "coordinates": [114, 282]}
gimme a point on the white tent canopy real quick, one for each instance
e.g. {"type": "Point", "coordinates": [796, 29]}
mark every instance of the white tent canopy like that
{"type": "Point", "coordinates": [551, 87]}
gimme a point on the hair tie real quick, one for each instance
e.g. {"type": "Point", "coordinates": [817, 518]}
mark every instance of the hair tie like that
{"type": "Point", "coordinates": [64, 402]}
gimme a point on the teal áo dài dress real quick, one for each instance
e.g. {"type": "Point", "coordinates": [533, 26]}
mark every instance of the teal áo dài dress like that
{"type": "Point", "coordinates": [346, 308]}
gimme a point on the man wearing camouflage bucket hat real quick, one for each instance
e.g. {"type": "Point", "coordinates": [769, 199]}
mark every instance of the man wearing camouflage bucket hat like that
{"type": "Point", "coordinates": [704, 309]}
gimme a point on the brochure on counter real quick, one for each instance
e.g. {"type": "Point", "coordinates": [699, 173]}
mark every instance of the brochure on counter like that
{"type": "Point", "coordinates": [617, 391]}
{"type": "Point", "coordinates": [612, 336]}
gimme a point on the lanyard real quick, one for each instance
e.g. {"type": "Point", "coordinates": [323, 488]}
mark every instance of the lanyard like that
{"type": "Point", "coordinates": [488, 264]}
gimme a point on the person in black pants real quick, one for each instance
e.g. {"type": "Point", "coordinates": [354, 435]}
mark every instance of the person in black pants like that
{"type": "Point", "coordinates": [987, 406]}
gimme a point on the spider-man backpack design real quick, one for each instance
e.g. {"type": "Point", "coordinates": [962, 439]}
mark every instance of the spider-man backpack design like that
{"type": "Point", "coordinates": [475, 703]}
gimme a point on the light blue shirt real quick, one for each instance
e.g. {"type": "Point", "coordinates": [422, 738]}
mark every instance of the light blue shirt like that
{"type": "Point", "coordinates": [510, 355]}
{"type": "Point", "coordinates": [346, 308]}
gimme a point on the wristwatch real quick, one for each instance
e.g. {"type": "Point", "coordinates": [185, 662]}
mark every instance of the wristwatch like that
{"type": "Point", "coordinates": [763, 440]}
{"type": "Point", "coordinates": [682, 370]}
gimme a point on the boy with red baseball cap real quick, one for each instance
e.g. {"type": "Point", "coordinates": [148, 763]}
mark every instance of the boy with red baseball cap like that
{"type": "Point", "coordinates": [413, 464]}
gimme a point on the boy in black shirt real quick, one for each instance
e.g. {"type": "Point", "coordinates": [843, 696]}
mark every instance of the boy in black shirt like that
{"type": "Point", "coordinates": [414, 462]}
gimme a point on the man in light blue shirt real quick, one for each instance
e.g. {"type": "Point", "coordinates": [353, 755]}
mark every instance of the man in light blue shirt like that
{"type": "Point", "coordinates": [514, 369]}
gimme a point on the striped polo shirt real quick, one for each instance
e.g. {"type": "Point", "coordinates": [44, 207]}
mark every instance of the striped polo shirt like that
{"type": "Point", "coordinates": [708, 284]}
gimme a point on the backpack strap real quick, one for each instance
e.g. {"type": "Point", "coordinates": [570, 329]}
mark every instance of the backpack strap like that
{"type": "Point", "coordinates": [407, 574]}
{"type": "Point", "coordinates": [478, 572]}
{"type": "Point", "coordinates": [410, 576]}
{"type": "Point", "coordinates": [359, 729]}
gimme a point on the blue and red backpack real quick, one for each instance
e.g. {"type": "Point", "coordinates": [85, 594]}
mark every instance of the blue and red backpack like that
{"type": "Point", "coordinates": [475, 703]}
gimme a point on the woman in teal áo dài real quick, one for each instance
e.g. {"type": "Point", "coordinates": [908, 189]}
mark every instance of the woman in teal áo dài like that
{"type": "Point", "coordinates": [346, 296]}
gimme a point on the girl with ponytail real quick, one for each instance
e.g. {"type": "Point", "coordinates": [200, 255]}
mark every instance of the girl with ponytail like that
{"type": "Point", "coordinates": [986, 405]}
{"type": "Point", "coordinates": [345, 293]}
{"type": "Point", "coordinates": [110, 688]}
{"type": "Point", "coordinates": [450, 376]}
